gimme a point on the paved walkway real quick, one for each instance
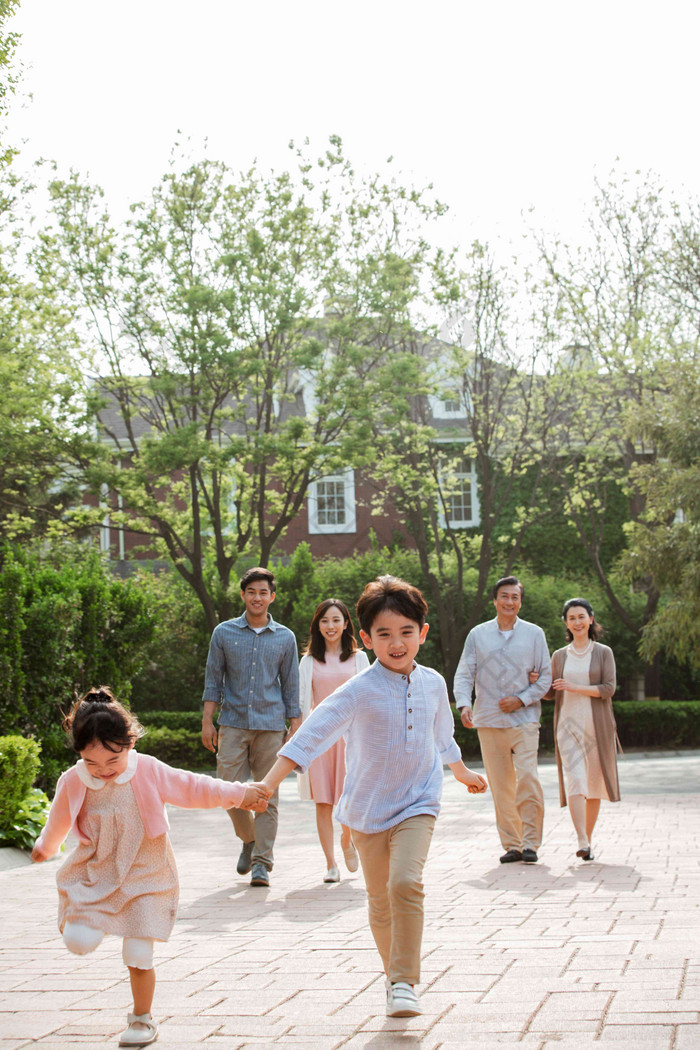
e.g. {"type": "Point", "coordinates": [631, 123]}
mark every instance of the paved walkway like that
{"type": "Point", "coordinates": [555, 955]}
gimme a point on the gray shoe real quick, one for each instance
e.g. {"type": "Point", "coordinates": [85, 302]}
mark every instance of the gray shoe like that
{"type": "Point", "coordinates": [260, 876]}
{"type": "Point", "coordinates": [245, 860]}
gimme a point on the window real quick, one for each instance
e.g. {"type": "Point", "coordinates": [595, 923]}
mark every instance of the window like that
{"type": "Point", "coordinates": [331, 503]}
{"type": "Point", "coordinates": [450, 404]}
{"type": "Point", "coordinates": [462, 500]}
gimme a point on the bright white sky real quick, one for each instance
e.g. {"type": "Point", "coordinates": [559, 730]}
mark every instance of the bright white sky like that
{"type": "Point", "coordinates": [502, 105]}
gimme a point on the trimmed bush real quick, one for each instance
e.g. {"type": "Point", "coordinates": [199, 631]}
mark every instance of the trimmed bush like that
{"type": "Point", "coordinates": [191, 720]}
{"type": "Point", "coordinates": [19, 765]}
{"type": "Point", "coordinates": [668, 724]}
{"type": "Point", "coordinates": [181, 748]}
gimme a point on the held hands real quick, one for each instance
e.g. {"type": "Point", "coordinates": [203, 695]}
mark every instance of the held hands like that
{"type": "Point", "coordinates": [533, 676]}
{"type": "Point", "coordinates": [563, 683]}
{"type": "Point", "coordinates": [255, 798]}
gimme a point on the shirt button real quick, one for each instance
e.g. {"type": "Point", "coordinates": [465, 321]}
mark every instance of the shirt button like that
{"type": "Point", "coordinates": [410, 727]}
{"type": "Point", "coordinates": [408, 694]}
{"type": "Point", "coordinates": [410, 711]}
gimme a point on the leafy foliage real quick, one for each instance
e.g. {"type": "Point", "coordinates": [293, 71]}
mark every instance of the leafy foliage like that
{"type": "Point", "coordinates": [72, 625]}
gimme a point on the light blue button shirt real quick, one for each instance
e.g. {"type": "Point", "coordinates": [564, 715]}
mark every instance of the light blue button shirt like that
{"type": "Point", "coordinates": [254, 677]}
{"type": "Point", "coordinates": [399, 732]}
{"type": "Point", "coordinates": [497, 664]}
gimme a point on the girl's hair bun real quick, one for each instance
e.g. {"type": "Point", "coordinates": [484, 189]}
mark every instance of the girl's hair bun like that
{"type": "Point", "coordinates": [98, 696]}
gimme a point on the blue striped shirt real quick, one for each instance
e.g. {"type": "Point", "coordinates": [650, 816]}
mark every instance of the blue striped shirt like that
{"type": "Point", "coordinates": [253, 677]}
{"type": "Point", "coordinates": [399, 732]}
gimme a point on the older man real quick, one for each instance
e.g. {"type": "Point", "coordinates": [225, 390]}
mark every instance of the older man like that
{"type": "Point", "coordinates": [496, 663]}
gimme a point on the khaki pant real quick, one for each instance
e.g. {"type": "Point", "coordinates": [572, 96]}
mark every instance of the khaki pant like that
{"type": "Point", "coordinates": [510, 761]}
{"type": "Point", "coordinates": [244, 753]}
{"type": "Point", "coordinates": [392, 864]}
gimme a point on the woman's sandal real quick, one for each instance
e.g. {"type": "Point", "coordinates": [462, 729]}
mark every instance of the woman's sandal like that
{"type": "Point", "coordinates": [352, 861]}
{"type": "Point", "coordinates": [133, 1036]}
{"type": "Point", "coordinates": [585, 854]}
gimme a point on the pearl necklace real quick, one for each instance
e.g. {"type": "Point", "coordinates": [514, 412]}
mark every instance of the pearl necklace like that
{"type": "Point", "coordinates": [581, 652]}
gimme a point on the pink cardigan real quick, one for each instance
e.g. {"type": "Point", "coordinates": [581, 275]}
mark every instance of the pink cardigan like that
{"type": "Point", "coordinates": [154, 783]}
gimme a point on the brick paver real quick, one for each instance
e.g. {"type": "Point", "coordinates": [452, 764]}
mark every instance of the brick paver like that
{"type": "Point", "coordinates": [554, 955]}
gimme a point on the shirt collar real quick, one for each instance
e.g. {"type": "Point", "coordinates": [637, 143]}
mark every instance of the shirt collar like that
{"type": "Point", "coordinates": [394, 676]}
{"type": "Point", "coordinates": [95, 783]}
{"type": "Point", "coordinates": [240, 621]}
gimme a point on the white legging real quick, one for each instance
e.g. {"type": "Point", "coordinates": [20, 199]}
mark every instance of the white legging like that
{"type": "Point", "coordinates": [136, 952]}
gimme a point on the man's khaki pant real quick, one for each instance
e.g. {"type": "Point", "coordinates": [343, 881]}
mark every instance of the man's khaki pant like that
{"type": "Point", "coordinates": [242, 754]}
{"type": "Point", "coordinates": [392, 864]}
{"type": "Point", "coordinates": [510, 761]}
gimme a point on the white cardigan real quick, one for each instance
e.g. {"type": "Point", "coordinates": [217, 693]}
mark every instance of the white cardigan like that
{"type": "Point", "coordinates": [306, 670]}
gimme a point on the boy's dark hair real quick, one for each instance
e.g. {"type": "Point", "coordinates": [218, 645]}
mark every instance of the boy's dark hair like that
{"type": "Point", "coordinates": [508, 581]}
{"type": "Point", "coordinates": [258, 573]}
{"type": "Point", "coordinates": [389, 592]}
{"type": "Point", "coordinates": [316, 645]}
{"type": "Point", "coordinates": [99, 716]}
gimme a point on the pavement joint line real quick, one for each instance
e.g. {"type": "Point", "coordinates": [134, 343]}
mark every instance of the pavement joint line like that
{"type": "Point", "coordinates": [528, 1024]}
{"type": "Point", "coordinates": [684, 978]}
{"type": "Point", "coordinates": [499, 977]}
{"type": "Point", "coordinates": [604, 1015]}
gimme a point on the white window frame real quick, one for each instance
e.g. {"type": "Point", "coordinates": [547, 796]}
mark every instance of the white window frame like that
{"type": "Point", "coordinates": [475, 520]}
{"type": "Point", "coordinates": [439, 405]}
{"type": "Point", "coordinates": [316, 528]}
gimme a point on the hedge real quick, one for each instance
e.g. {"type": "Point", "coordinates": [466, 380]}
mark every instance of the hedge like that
{"type": "Point", "coordinates": [182, 748]}
{"type": "Point", "coordinates": [175, 736]}
{"type": "Point", "coordinates": [19, 765]}
{"type": "Point", "coordinates": [665, 724]}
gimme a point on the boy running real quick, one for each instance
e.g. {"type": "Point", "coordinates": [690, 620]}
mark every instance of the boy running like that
{"type": "Point", "coordinates": [399, 732]}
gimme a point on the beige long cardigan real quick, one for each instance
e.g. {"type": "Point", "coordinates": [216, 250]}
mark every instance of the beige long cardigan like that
{"type": "Point", "coordinates": [601, 674]}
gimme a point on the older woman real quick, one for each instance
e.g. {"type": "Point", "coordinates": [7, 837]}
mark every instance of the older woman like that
{"type": "Point", "coordinates": [583, 683]}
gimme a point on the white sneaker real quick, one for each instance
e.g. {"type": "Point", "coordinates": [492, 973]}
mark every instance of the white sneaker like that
{"type": "Point", "coordinates": [332, 875]}
{"type": "Point", "coordinates": [402, 1000]}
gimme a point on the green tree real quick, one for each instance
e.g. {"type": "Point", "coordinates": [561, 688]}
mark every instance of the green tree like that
{"type": "Point", "coordinates": [664, 542]}
{"type": "Point", "coordinates": [246, 328]}
{"type": "Point", "coordinates": [615, 329]}
{"type": "Point", "coordinates": [487, 376]}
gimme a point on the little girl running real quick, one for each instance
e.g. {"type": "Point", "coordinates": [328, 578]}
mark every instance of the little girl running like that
{"type": "Point", "coordinates": [121, 879]}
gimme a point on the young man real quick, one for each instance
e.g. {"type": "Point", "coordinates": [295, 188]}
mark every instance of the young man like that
{"type": "Point", "coordinates": [498, 657]}
{"type": "Point", "coordinates": [398, 729]}
{"type": "Point", "coordinates": [252, 677]}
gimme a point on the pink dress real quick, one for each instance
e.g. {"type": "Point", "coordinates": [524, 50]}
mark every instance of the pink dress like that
{"type": "Point", "coordinates": [119, 881]}
{"type": "Point", "coordinates": [327, 773]}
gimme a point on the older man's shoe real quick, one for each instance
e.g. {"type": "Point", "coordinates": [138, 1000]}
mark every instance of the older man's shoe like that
{"type": "Point", "coordinates": [511, 856]}
{"type": "Point", "coordinates": [245, 861]}
{"type": "Point", "coordinates": [529, 856]}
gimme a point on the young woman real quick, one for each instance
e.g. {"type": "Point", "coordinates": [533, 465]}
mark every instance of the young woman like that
{"type": "Point", "coordinates": [331, 657]}
{"type": "Point", "coordinates": [583, 683]}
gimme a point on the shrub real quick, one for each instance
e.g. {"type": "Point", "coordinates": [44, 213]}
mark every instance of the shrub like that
{"type": "Point", "coordinates": [178, 747]}
{"type": "Point", "coordinates": [23, 809]}
{"type": "Point", "coordinates": [65, 623]}
{"type": "Point", "coordinates": [190, 720]}
{"type": "Point", "coordinates": [19, 764]}
{"type": "Point", "coordinates": [662, 724]}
